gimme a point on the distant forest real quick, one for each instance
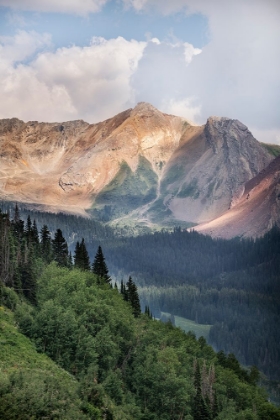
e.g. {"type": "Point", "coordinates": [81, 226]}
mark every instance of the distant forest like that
{"type": "Point", "coordinates": [233, 285]}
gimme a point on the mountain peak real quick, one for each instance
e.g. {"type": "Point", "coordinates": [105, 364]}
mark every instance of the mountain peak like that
{"type": "Point", "coordinates": [145, 109]}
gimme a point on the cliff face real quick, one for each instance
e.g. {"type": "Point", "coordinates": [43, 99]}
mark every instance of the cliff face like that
{"type": "Point", "coordinates": [211, 167]}
{"type": "Point", "coordinates": [141, 164]}
{"type": "Point", "coordinates": [257, 210]}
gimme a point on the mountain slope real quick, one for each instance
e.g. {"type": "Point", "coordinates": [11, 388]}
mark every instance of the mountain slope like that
{"type": "Point", "coordinates": [257, 210]}
{"type": "Point", "coordinates": [140, 166]}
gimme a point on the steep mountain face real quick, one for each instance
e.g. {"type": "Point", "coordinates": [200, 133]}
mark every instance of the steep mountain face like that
{"type": "Point", "coordinates": [141, 166]}
{"type": "Point", "coordinates": [207, 173]}
{"type": "Point", "coordinates": [257, 211]}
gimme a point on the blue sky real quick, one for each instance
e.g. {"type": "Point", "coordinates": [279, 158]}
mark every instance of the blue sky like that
{"type": "Point", "coordinates": [90, 59]}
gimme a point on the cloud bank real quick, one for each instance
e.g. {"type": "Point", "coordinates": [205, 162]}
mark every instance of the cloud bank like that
{"type": "Point", "coordinates": [91, 83]}
{"type": "Point", "coordinates": [236, 74]}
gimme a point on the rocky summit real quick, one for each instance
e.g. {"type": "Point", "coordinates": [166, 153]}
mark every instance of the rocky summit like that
{"type": "Point", "coordinates": [142, 167]}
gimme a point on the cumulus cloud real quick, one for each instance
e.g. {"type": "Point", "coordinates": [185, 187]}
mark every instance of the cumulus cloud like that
{"type": "Point", "coordinates": [21, 46]}
{"type": "Point", "coordinates": [79, 7]}
{"type": "Point", "coordinates": [90, 82]}
{"type": "Point", "coordinates": [237, 73]}
{"type": "Point", "coordinates": [234, 75]}
{"type": "Point", "coordinates": [160, 73]}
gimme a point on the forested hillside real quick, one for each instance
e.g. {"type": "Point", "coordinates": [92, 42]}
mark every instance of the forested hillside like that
{"type": "Point", "coordinates": [233, 285]}
{"type": "Point", "coordinates": [111, 362]}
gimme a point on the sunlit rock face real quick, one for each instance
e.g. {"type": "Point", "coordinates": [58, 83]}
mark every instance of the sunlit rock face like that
{"type": "Point", "coordinates": [141, 164]}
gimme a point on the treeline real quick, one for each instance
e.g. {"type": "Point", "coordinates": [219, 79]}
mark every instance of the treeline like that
{"type": "Point", "coordinates": [74, 228]}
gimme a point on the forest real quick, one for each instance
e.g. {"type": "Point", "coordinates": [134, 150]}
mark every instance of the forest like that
{"type": "Point", "coordinates": [232, 285]}
{"type": "Point", "coordinates": [74, 346]}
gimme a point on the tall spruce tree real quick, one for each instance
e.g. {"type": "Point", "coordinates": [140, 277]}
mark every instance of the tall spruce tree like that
{"type": "Point", "coordinates": [81, 258]}
{"type": "Point", "coordinates": [60, 249]}
{"type": "Point", "coordinates": [17, 224]}
{"type": "Point", "coordinates": [133, 297]}
{"type": "Point", "coordinates": [99, 266]}
{"type": "Point", "coordinates": [199, 407]}
{"type": "Point", "coordinates": [46, 244]}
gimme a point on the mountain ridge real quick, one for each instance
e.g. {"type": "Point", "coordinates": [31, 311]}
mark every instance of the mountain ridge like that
{"type": "Point", "coordinates": [176, 172]}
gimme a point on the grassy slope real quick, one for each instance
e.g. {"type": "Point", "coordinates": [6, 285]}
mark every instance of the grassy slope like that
{"type": "Point", "coordinates": [189, 325]}
{"type": "Point", "coordinates": [127, 191]}
{"type": "Point", "coordinates": [274, 149]}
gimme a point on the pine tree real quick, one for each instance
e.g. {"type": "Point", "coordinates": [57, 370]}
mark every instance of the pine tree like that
{"type": "Point", "coordinates": [17, 224]}
{"type": "Point", "coordinates": [81, 258]}
{"type": "Point", "coordinates": [200, 411]}
{"type": "Point", "coordinates": [28, 276]}
{"type": "Point", "coordinates": [133, 297]}
{"type": "Point", "coordinates": [99, 266]}
{"type": "Point", "coordinates": [28, 229]}
{"type": "Point", "coordinates": [35, 235]}
{"type": "Point", "coordinates": [46, 244]}
{"type": "Point", "coordinates": [60, 249]}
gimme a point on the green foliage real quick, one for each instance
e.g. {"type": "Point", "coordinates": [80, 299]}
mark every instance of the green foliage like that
{"type": "Point", "coordinates": [120, 364]}
{"type": "Point", "coordinates": [132, 297]}
{"type": "Point", "coordinates": [99, 267]}
{"type": "Point", "coordinates": [127, 367]}
{"type": "Point", "coordinates": [60, 249]}
{"type": "Point", "coordinates": [31, 385]}
{"type": "Point", "coordinates": [81, 257]}
{"type": "Point", "coordinates": [273, 149]}
{"type": "Point", "coordinates": [127, 191]}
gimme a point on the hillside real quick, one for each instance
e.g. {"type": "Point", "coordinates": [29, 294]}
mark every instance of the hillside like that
{"type": "Point", "coordinates": [127, 365]}
{"type": "Point", "coordinates": [31, 384]}
{"type": "Point", "coordinates": [127, 368]}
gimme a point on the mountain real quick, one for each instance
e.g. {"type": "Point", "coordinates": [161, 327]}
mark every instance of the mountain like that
{"type": "Point", "coordinates": [257, 210]}
{"type": "Point", "coordinates": [142, 167]}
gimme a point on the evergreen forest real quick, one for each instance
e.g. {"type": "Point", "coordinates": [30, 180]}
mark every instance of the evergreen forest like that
{"type": "Point", "coordinates": [74, 343]}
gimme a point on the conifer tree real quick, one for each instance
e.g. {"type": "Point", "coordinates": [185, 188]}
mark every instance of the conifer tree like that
{"type": "Point", "coordinates": [133, 297]}
{"type": "Point", "coordinates": [200, 411]}
{"type": "Point", "coordinates": [99, 266]}
{"type": "Point", "coordinates": [46, 244]}
{"type": "Point", "coordinates": [35, 235]}
{"type": "Point", "coordinates": [28, 229]}
{"type": "Point", "coordinates": [17, 224]}
{"type": "Point", "coordinates": [60, 249]}
{"type": "Point", "coordinates": [28, 276]}
{"type": "Point", "coordinates": [81, 258]}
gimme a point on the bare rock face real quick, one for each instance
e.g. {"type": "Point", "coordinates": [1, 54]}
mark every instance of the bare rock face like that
{"type": "Point", "coordinates": [212, 167]}
{"type": "Point", "coordinates": [257, 211]}
{"type": "Point", "coordinates": [140, 164]}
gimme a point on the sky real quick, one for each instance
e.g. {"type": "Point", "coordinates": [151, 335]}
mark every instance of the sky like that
{"type": "Point", "coordinates": [65, 60]}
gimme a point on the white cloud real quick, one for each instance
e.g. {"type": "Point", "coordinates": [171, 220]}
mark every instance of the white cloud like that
{"type": "Point", "coordinates": [185, 108]}
{"type": "Point", "coordinates": [237, 73]}
{"type": "Point", "coordinates": [79, 7]}
{"type": "Point", "coordinates": [90, 82]}
{"type": "Point", "coordinates": [190, 51]}
{"type": "Point", "coordinates": [159, 77]}
{"type": "Point", "coordinates": [21, 46]}
{"type": "Point", "coordinates": [155, 41]}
